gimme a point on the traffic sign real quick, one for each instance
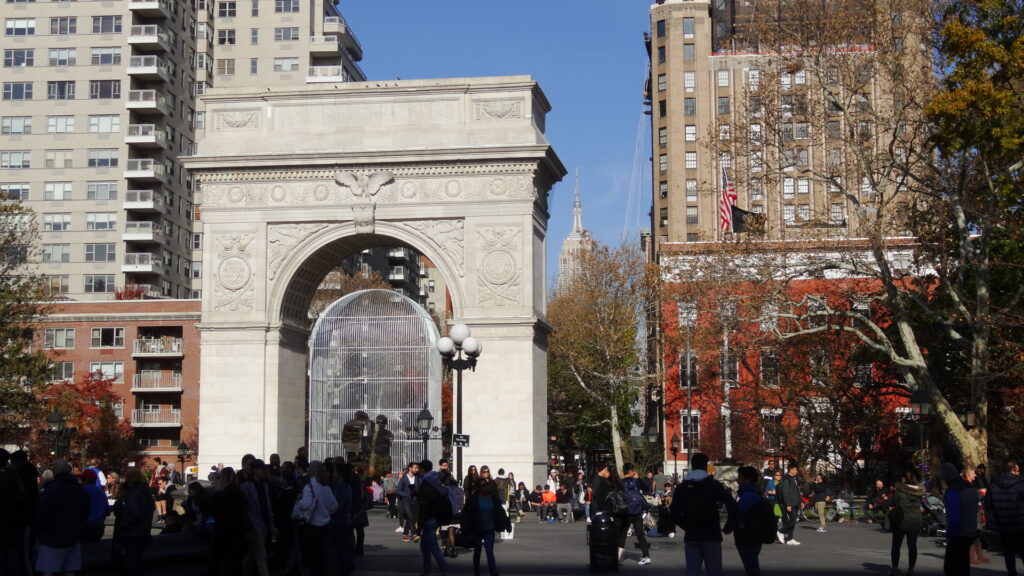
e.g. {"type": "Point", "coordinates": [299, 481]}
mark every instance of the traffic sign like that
{"type": "Point", "coordinates": [460, 440]}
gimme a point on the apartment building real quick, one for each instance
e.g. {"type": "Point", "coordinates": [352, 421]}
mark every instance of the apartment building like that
{"type": "Point", "coordinates": [101, 100]}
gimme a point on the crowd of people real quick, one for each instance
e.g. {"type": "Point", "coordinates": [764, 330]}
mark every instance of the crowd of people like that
{"type": "Point", "coordinates": [301, 517]}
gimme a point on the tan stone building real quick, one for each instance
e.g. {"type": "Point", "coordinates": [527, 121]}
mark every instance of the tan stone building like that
{"type": "Point", "coordinates": [101, 100]}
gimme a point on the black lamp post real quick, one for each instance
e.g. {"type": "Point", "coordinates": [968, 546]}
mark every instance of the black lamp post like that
{"type": "Point", "coordinates": [675, 460]}
{"type": "Point", "coordinates": [56, 425]}
{"type": "Point", "coordinates": [452, 348]}
{"type": "Point", "coordinates": [424, 422]}
{"type": "Point", "coordinates": [920, 407]}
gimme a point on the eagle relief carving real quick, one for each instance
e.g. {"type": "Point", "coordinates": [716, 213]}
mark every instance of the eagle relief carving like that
{"type": "Point", "coordinates": [364, 187]}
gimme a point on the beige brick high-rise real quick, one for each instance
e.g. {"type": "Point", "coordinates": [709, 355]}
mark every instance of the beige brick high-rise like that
{"type": "Point", "coordinates": [101, 99]}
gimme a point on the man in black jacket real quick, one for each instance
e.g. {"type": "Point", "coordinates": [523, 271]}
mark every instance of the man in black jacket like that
{"type": "Point", "coordinates": [63, 509]}
{"type": "Point", "coordinates": [1005, 505]}
{"type": "Point", "coordinates": [787, 496]}
{"type": "Point", "coordinates": [695, 510]}
{"type": "Point", "coordinates": [433, 509]}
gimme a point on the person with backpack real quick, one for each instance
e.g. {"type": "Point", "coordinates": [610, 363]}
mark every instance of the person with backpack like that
{"type": "Point", "coordinates": [433, 510]}
{"type": "Point", "coordinates": [695, 509]}
{"type": "Point", "coordinates": [905, 520]}
{"type": "Point", "coordinates": [787, 496]}
{"type": "Point", "coordinates": [1004, 504]}
{"type": "Point", "coordinates": [757, 523]}
{"type": "Point", "coordinates": [635, 514]}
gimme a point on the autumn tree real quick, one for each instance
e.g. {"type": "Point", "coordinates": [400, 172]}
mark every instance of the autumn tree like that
{"type": "Point", "coordinates": [88, 406]}
{"type": "Point", "coordinates": [25, 369]}
{"type": "Point", "coordinates": [597, 348]}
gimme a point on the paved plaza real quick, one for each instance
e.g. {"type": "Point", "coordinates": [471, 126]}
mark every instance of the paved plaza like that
{"type": "Point", "coordinates": [560, 549]}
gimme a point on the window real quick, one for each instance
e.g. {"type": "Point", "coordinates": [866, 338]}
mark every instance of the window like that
{"type": "Point", "coordinates": [60, 124]}
{"type": "Point", "coordinates": [286, 64]}
{"type": "Point", "coordinates": [226, 67]}
{"type": "Point", "coordinates": [688, 27]}
{"type": "Point", "coordinates": [20, 27]}
{"type": "Point", "coordinates": [803, 212]}
{"type": "Point", "coordinates": [103, 190]}
{"type": "Point", "coordinates": [723, 78]}
{"type": "Point", "coordinates": [771, 424]}
{"type": "Point", "coordinates": [788, 187]}
{"type": "Point", "coordinates": [286, 6]}
{"type": "Point", "coordinates": [197, 270]}
{"type": "Point", "coordinates": [14, 191]}
{"type": "Point", "coordinates": [99, 283]}
{"type": "Point", "coordinates": [803, 186]}
{"type": "Point", "coordinates": [769, 369]}
{"type": "Point", "coordinates": [63, 26]}
{"type": "Point", "coordinates": [225, 37]}
{"type": "Point", "coordinates": [789, 214]}
{"type": "Point", "coordinates": [663, 216]}
{"type": "Point", "coordinates": [57, 191]}
{"type": "Point", "coordinates": [113, 370]}
{"type": "Point", "coordinates": [691, 190]}
{"type": "Point", "coordinates": [800, 77]}
{"type": "Point", "coordinates": [833, 128]}
{"type": "Point", "coordinates": [16, 159]}
{"type": "Point", "coordinates": [63, 56]}
{"type": "Point", "coordinates": [254, 36]}
{"type": "Point", "coordinates": [62, 372]}
{"type": "Point", "coordinates": [787, 132]}
{"type": "Point", "coordinates": [53, 253]}
{"type": "Point", "coordinates": [101, 221]}
{"type": "Point", "coordinates": [659, 27]}
{"type": "Point", "coordinates": [835, 185]}
{"type": "Point", "coordinates": [102, 157]}
{"type": "Point", "coordinates": [105, 123]}
{"type": "Point", "coordinates": [723, 104]}
{"type": "Point", "coordinates": [662, 82]}
{"type": "Point", "coordinates": [60, 90]}
{"type": "Point", "coordinates": [691, 214]}
{"type": "Point", "coordinates": [105, 56]}
{"type": "Point", "coordinates": [754, 78]}
{"type": "Point", "coordinates": [756, 190]}
{"type": "Point", "coordinates": [203, 31]}
{"type": "Point", "coordinates": [864, 374]}
{"type": "Point", "coordinates": [56, 222]}
{"type": "Point", "coordinates": [663, 189]}
{"type": "Point", "coordinates": [691, 160]}
{"type": "Point", "coordinates": [689, 430]}
{"type": "Point", "coordinates": [254, 66]}
{"type": "Point", "coordinates": [16, 125]}
{"type": "Point", "coordinates": [689, 54]}
{"type": "Point", "coordinates": [754, 106]}
{"type": "Point", "coordinates": [662, 108]}
{"type": "Point", "coordinates": [57, 284]}
{"type": "Point", "coordinates": [661, 54]}
{"type": "Point", "coordinates": [725, 160]}
{"type": "Point", "coordinates": [836, 214]}
{"type": "Point", "coordinates": [690, 133]}
{"type": "Point", "coordinates": [104, 89]}
{"type": "Point", "coordinates": [106, 24]}
{"type": "Point", "coordinates": [19, 58]}
{"type": "Point", "coordinates": [803, 157]}
{"type": "Point", "coordinates": [662, 137]}
{"type": "Point", "coordinates": [724, 132]}
{"type": "Point", "coordinates": [227, 9]}
{"type": "Point", "coordinates": [286, 34]}
{"type": "Point", "coordinates": [689, 81]}
{"type": "Point", "coordinates": [255, 8]}
{"type": "Point", "coordinates": [59, 338]}
{"type": "Point", "coordinates": [17, 90]}
{"type": "Point", "coordinates": [107, 338]}
{"type": "Point", "coordinates": [197, 241]}
{"type": "Point", "coordinates": [786, 80]}
{"type": "Point", "coordinates": [689, 372]}
{"type": "Point", "coordinates": [801, 131]}
{"type": "Point", "coordinates": [663, 163]}
{"type": "Point", "coordinates": [690, 106]}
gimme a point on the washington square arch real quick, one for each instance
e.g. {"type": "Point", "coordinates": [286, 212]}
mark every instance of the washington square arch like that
{"type": "Point", "coordinates": [291, 182]}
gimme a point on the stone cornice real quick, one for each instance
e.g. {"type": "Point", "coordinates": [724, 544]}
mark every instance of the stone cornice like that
{"type": "Point", "coordinates": [126, 317]}
{"type": "Point", "coordinates": [453, 168]}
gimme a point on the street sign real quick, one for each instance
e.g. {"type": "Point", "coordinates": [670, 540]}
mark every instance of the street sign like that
{"type": "Point", "coordinates": [460, 440]}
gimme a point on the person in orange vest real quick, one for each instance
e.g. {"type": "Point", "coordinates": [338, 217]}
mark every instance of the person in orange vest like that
{"type": "Point", "coordinates": [548, 503]}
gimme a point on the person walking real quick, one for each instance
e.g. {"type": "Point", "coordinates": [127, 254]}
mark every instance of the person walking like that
{"type": "Point", "coordinates": [133, 521]}
{"type": "Point", "coordinates": [787, 496]}
{"type": "Point", "coordinates": [434, 510]}
{"type": "Point", "coordinates": [319, 502]}
{"type": "Point", "coordinates": [694, 508]}
{"type": "Point", "coordinates": [635, 515]}
{"type": "Point", "coordinates": [390, 485]}
{"type": "Point", "coordinates": [1004, 503]}
{"type": "Point", "coordinates": [482, 516]}
{"type": "Point", "coordinates": [907, 521]}
{"type": "Point", "coordinates": [61, 514]}
{"type": "Point", "coordinates": [406, 490]}
{"type": "Point", "coordinates": [961, 520]}
{"type": "Point", "coordinates": [748, 541]}
{"type": "Point", "coordinates": [820, 497]}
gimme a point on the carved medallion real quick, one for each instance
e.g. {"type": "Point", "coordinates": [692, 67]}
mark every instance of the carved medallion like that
{"type": "Point", "coordinates": [500, 277]}
{"type": "Point", "coordinates": [237, 120]}
{"type": "Point", "coordinates": [234, 289]}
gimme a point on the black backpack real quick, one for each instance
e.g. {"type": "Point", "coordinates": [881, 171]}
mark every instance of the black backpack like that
{"type": "Point", "coordinates": [637, 504]}
{"type": "Point", "coordinates": [759, 523]}
{"type": "Point", "coordinates": [618, 503]}
{"type": "Point", "coordinates": [696, 504]}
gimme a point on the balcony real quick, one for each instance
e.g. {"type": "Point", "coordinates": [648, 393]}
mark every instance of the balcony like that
{"type": "Point", "coordinates": [156, 418]}
{"type": "Point", "coordinates": [337, 25]}
{"type": "Point", "coordinates": [324, 45]}
{"type": "Point", "coordinates": [399, 275]}
{"type": "Point", "coordinates": [327, 74]}
{"type": "Point", "coordinates": [141, 263]}
{"type": "Point", "coordinates": [163, 347]}
{"type": "Point", "coordinates": [146, 136]}
{"type": "Point", "coordinates": [146, 170]}
{"type": "Point", "coordinates": [156, 381]}
{"type": "Point", "coordinates": [144, 201]}
{"type": "Point", "coordinates": [151, 8]}
{"type": "Point", "coordinates": [148, 68]}
{"type": "Point", "coordinates": [149, 37]}
{"type": "Point", "coordinates": [147, 101]}
{"type": "Point", "coordinates": [142, 232]}
{"type": "Point", "coordinates": [400, 254]}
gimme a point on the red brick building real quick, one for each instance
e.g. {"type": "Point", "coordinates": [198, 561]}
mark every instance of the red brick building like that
{"type": "Point", "coordinates": [151, 348]}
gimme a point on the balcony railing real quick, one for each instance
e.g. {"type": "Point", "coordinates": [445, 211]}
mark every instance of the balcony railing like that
{"type": "Point", "coordinates": [156, 381]}
{"type": "Point", "coordinates": [146, 417]}
{"type": "Point", "coordinates": [348, 39]}
{"type": "Point", "coordinates": [146, 135]}
{"type": "Point", "coordinates": [148, 67]}
{"type": "Point", "coordinates": [327, 74]}
{"type": "Point", "coordinates": [144, 169]}
{"type": "Point", "coordinates": [143, 200]}
{"type": "Point", "coordinates": [147, 100]}
{"type": "Point", "coordinates": [165, 346]}
{"type": "Point", "coordinates": [399, 253]}
{"type": "Point", "coordinates": [151, 7]}
{"type": "Point", "coordinates": [149, 36]}
{"type": "Point", "coordinates": [141, 262]}
{"type": "Point", "coordinates": [324, 44]}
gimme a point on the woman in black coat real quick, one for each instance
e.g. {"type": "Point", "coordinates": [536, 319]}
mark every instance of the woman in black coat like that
{"type": "Point", "coordinates": [482, 516]}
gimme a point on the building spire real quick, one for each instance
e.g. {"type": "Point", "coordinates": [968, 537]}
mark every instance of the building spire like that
{"type": "Point", "coordinates": [577, 208]}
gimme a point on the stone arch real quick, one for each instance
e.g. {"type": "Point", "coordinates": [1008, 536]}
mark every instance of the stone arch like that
{"type": "Point", "coordinates": [304, 267]}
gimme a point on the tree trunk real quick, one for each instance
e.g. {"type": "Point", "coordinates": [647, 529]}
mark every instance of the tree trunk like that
{"type": "Point", "coordinates": [616, 439]}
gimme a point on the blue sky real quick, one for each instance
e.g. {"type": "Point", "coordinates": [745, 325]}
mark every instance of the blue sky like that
{"type": "Point", "coordinates": [587, 55]}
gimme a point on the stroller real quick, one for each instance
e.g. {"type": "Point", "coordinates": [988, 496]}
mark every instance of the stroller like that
{"type": "Point", "coordinates": [933, 512]}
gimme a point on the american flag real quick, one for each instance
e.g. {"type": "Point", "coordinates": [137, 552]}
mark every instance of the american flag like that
{"type": "Point", "coordinates": [726, 204]}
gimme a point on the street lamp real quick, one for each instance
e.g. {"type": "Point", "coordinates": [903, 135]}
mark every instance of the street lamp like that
{"type": "Point", "coordinates": [56, 424]}
{"type": "Point", "coordinates": [675, 461]}
{"type": "Point", "coordinates": [920, 407]}
{"type": "Point", "coordinates": [459, 351]}
{"type": "Point", "coordinates": [424, 422]}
